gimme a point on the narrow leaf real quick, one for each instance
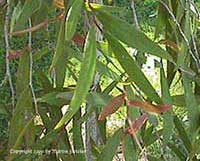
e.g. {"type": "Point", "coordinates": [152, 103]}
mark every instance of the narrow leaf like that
{"type": "Point", "coordinates": [59, 47]}
{"type": "Point", "coordinates": [137, 124]}
{"type": "Point", "coordinates": [149, 107]}
{"type": "Point", "coordinates": [72, 19]}
{"type": "Point", "coordinates": [177, 151]}
{"type": "Point", "coordinates": [132, 69]}
{"type": "Point", "coordinates": [130, 35]}
{"type": "Point", "coordinates": [20, 137]}
{"type": "Point", "coordinates": [112, 106]}
{"type": "Point", "coordinates": [111, 146]}
{"type": "Point", "coordinates": [28, 9]}
{"type": "Point", "coordinates": [85, 77]}
{"type": "Point", "coordinates": [167, 117]}
{"type": "Point", "coordinates": [182, 134]}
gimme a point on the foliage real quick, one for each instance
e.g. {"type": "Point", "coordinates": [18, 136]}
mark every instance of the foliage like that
{"type": "Point", "coordinates": [70, 61]}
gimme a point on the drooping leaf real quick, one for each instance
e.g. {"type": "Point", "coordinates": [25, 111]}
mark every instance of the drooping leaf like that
{"type": "Point", "coordinates": [72, 19]}
{"type": "Point", "coordinates": [130, 35]}
{"type": "Point", "coordinates": [23, 73]}
{"type": "Point", "coordinates": [130, 152]}
{"type": "Point", "coordinates": [20, 137]}
{"type": "Point", "coordinates": [176, 150]}
{"type": "Point", "coordinates": [98, 99]}
{"type": "Point", "coordinates": [56, 98]}
{"type": "Point", "coordinates": [137, 124]}
{"type": "Point", "coordinates": [149, 107]}
{"type": "Point", "coordinates": [105, 70]}
{"type": "Point", "coordinates": [167, 117]}
{"type": "Point", "coordinates": [182, 134]}
{"type": "Point", "coordinates": [110, 87]}
{"type": "Point", "coordinates": [112, 106]}
{"type": "Point", "coordinates": [77, 137]}
{"type": "Point", "coordinates": [161, 20]}
{"type": "Point", "coordinates": [21, 113]}
{"type": "Point", "coordinates": [85, 77]}
{"type": "Point", "coordinates": [132, 113]}
{"type": "Point", "coordinates": [27, 10]}
{"type": "Point", "coordinates": [59, 52]}
{"type": "Point", "coordinates": [15, 15]}
{"type": "Point", "coordinates": [132, 69]}
{"type": "Point", "coordinates": [191, 103]}
{"type": "Point", "coordinates": [110, 148]}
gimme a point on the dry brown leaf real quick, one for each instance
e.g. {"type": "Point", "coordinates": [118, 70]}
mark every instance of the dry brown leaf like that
{"type": "Point", "coordinates": [14, 54]}
{"type": "Point", "coordinates": [137, 124]}
{"type": "Point", "coordinates": [170, 44]}
{"type": "Point", "coordinates": [78, 39]}
{"type": "Point", "coordinates": [112, 106]}
{"type": "Point", "coordinates": [149, 107]}
{"type": "Point", "coordinates": [59, 4]}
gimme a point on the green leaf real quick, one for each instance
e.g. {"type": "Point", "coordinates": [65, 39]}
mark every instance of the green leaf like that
{"type": "Point", "coordinates": [72, 19]}
{"type": "Point", "coordinates": [47, 140]}
{"type": "Point", "coordinates": [28, 9]}
{"type": "Point", "coordinates": [130, 152]}
{"type": "Point", "coordinates": [56, 98]}
{"type": "Point", "coordinates": [40, 53]}
{"type": "Point", "coordinates": [44, 81]}
{"type": "Point", "coordinates": [167, 117]}
{"type": "Point", "coordinates": [15, 15]}
{"type": "Point", "coordinates": [60, 58]}
{"type": "Point", "coordinates": [182, 134]}
{"type": "Point", "coordinates": [176, 150]}
{"type": "Point", "coordinates": [18, 121]}
{"type": "Point", "coordinates": [105, 70]}
{"type": "Point", "coordinates": [161, 20]}
{"type": "Point", "coordinates": [133, 113]}
{"type": "Point", "coordinates": [149, 136]}
{"type": "Point", "coordinates": [77, 137]}
{"type": "Point", "coordinates": [191, 104]}
{"type": "Point", "coordinates": [111, 146]}
{"type": "Point", "coordinates": [130, 35]}
{"type": "Point", "coordinates": [85, 77]}
{"type": "Point", "coordinates": [23, 73]}
{"type": "Point", "coordinates": [132, 69]}
{"type": "Point", "coordinates": [60, 44]}
{"type": "Point", "coordinates": [20, 137]}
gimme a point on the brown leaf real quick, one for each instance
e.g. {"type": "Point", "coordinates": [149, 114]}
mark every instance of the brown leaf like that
{"type": "Point", "coordinates": [13, 54]}
{"type": "Point", "coordinates": [149, 107]}
{"type": "Point", "coordinates": [31, 29]}
{"type": "Point", "coordinates": [112, 106]}
{"type": "Point", "coordinates": [137, 124]}
{"type": "Point", "coordinates": [78, 39]}
{"type": "Point", "coordinates": [170, 44]}
{"type": "Point", "coordinates": [59, 4]}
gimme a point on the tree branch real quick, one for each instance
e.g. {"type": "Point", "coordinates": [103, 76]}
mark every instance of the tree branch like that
{"type": "Point", "coordinates": [8, 75]}
{"type": "Point", "coordinates": [31, 70]}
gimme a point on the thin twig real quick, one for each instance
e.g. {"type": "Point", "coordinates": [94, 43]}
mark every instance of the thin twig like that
{"type": "Point", "coordinates": [193, 40]}
{"type": "Point", "coordinates": [31, 70]}
{"type": "Point", "coordinates": [31, 29]}
{"type": "Point", "coordinates": [135, 138]}
{"type": "Point", "coordinates": [135, 20]}
{"type": "Point", "coordinates": [8, 75]}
